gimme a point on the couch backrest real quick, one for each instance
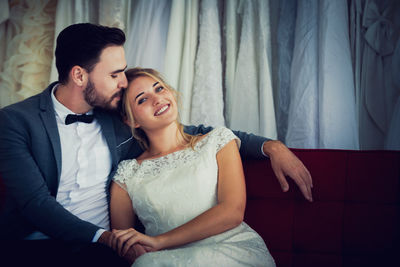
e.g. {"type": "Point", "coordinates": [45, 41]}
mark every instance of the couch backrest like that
{"type": "Point", "coordinates": [354, 219]}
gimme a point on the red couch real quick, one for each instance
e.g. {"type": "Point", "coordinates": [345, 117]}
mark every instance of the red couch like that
{"type": "Point", "coordinates": [354, 219]}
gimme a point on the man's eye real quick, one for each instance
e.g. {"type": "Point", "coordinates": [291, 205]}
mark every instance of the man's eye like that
{"type": "Point", "coordinates": [142, 100]}
{"type": "Point", "coordinates": [159, 89]}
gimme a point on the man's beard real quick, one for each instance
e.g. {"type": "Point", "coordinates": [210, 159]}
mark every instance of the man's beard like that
{"type": "Point", "coordinates": [95, 100]}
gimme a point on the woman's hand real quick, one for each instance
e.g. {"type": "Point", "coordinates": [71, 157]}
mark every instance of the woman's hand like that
{"type": "Point", "coordinates": [123, 240]}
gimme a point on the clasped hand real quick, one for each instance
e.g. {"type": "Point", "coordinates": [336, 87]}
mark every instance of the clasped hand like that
{"type": "Point", "coordinates": [131, 244]}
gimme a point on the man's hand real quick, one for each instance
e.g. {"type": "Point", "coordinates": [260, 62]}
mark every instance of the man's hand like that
{"type": "Point", "coordinates": [134, 252]}
{"type": "Point", "coordinates": [124, 240]}
{"type": "Point", "coordinates": [285, 163]}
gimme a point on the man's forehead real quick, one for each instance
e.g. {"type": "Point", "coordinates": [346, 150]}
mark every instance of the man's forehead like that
{"type": "Point", "coordinates": [112, 58]}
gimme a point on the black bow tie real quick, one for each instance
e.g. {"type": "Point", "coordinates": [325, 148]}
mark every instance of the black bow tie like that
{"type": "Point", "coordinates": [71, 118]}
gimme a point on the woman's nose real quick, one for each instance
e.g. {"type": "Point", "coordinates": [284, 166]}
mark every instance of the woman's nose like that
{"type": "Point", "coordinates": [156, 100]}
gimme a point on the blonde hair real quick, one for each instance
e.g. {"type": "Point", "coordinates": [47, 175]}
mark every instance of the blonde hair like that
{"type": "Point", "coordinates": [126, 110]}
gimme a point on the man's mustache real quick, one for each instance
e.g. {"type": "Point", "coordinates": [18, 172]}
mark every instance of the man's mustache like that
{"type": "Point", "coordinates": [118, 94]}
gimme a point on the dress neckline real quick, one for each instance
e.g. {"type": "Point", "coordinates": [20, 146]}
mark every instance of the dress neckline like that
{"type": "Point", "coordinates": [201, 141]}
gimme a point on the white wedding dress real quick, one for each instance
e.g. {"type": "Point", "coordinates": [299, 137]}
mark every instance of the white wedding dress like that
{"type": "Point", "coordinates": [169, 191]}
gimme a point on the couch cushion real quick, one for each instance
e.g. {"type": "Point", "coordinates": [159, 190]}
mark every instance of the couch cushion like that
{"type": "Point", "coordinates": [353, 221]}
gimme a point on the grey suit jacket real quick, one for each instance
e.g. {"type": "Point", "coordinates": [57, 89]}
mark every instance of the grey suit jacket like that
{"type": "Point", "coordinates": [30, 167]}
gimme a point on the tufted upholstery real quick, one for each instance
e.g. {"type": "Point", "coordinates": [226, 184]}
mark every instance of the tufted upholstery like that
{"type": "Point", "coordinates": [354, 219]}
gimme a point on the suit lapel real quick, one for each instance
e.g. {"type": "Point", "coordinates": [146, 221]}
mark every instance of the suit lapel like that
{"type": "Point", "coordinates": [48, 117]}
{"type": "Point", "coordinates": [107, 128]}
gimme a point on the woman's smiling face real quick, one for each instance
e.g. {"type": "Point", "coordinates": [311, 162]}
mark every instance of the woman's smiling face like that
{"type": "Point", "coordinates": [153, 105]}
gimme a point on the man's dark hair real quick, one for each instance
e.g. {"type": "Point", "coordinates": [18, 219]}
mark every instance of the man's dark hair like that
{"type": "Point", "coordinates": [81, 44]}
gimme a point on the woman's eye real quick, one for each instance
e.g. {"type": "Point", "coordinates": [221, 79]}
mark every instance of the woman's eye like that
{"type": "Point", "coordinates": [142, 100]}
{"type": "Point", "coordinates": [114, 76]}
{"type": "Point", "coordinates": [159, 89]}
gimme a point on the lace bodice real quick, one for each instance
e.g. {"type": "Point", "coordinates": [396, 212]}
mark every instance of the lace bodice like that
{"type": "Point", "coordinates": [168, 191]}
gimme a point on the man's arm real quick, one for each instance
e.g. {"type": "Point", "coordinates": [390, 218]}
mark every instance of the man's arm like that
{"type": "Point", "coordinates": [25, 184]}
{"type": "Point", "coordinates": [283, 161]}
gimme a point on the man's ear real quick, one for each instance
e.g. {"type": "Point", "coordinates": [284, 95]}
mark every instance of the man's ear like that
{"type": "Point", "coordinates": [78, 75]}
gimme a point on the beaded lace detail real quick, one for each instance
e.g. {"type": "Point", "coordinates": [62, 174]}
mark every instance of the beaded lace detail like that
{"type": "Point", "coordinates": [216, 139]}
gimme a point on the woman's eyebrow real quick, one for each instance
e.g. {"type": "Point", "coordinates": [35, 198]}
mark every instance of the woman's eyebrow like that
{"type": "Point", "coordinates": [139, 95]}
{"type": "Point", "coordinates": [155, 84]}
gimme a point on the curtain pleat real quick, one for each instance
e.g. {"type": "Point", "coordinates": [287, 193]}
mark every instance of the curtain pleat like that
{"type": "Point", "coordinates": [147, 38]}
{"type": "Point", "coordinates": [181, 52]}
{"type": "Point", "coordinates": [322, 111]}
{"type": "Point", "coordinates": [314, 74]}
{"type": "Point", "coordinates": [285, 46]}
{"type": "Point", "coordinates": [249, 96]}
{"type": "Point", "coordinates": [207, 99]}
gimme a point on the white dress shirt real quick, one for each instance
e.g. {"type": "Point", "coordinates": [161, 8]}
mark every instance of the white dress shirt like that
{"type": "Point", "coordinates": [86, 164]}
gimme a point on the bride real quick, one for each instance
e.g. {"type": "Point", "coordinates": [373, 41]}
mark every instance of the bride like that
{"type": "Point", "coordinates": [188, 191]}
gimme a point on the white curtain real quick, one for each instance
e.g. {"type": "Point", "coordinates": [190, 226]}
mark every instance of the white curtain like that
{"type": "Point", "coordinates": [303, 111]}
{"type": "Point", "coordinates": [147, 38]}
{"type": "Point", "coordinates": [249, 96]}
{"type": "Point", "coordinates": [392, 139]}
{"type": "Point", "coordinates": [121, 11]}
{"type": "Point", "coordinates": [181, 52]}
{"type": "Point", "coordinates": [207, 98]}
{"type": "Point", "coordinates": [329, 91]}
{"type": "Point", "coordinates": [28, 40]}
{"type": "Point", "coordinates": [375, 32]}
{"type": "Point", "coordinates": [337, 121]}
{"type": "Point", "coordinates": [322, 106]}
{"type": "Point", "coordinates": [285, 45]}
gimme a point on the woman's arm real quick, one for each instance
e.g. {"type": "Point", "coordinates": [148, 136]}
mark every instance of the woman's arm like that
{"type": "Point", "coordinates": [227, 214]}
{"type": "Point", "coordinates": [122, 215]}
{"type": "Point", "coordinates": [283, 161]}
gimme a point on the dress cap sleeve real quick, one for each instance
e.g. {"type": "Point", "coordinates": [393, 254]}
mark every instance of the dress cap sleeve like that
{"type": "Point", "coordinates": [223, 136]}
{"type": "Point", "coordinates": [124, 172]}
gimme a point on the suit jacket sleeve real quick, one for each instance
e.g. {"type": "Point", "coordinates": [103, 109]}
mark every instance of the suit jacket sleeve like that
{"type": "Point", "coordinates": [28, 190]}
{"type": "Point", "coordinates": [251, 144]}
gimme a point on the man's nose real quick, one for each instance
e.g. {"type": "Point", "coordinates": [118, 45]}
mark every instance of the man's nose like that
{"type": "Point", "coordinates": [124, 82]}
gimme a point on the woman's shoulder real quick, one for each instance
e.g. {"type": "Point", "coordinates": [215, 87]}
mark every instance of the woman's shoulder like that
{"type": "Point", "coordinates": [219, 137]}
{"type": "Point", "coordinates": [127, 163]}
{"type": "Point", "coordinates": [126, 169]}
{"type": "Point", "coordinates": [221, 131]}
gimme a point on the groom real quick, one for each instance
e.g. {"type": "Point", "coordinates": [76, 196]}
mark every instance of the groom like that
{"type": "Point", "coordinates": [60, 148]}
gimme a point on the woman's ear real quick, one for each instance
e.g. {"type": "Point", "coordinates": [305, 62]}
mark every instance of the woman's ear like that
{"type": "Point", "coordinates": [131, 124]}
{"type": "Point", "coordinates": [127, 122]}
{"type": "Point", "coordinates": [78, 75]}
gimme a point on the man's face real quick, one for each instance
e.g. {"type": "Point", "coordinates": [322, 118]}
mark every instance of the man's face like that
{"type": "Point", "coordinates": [107, 79]}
